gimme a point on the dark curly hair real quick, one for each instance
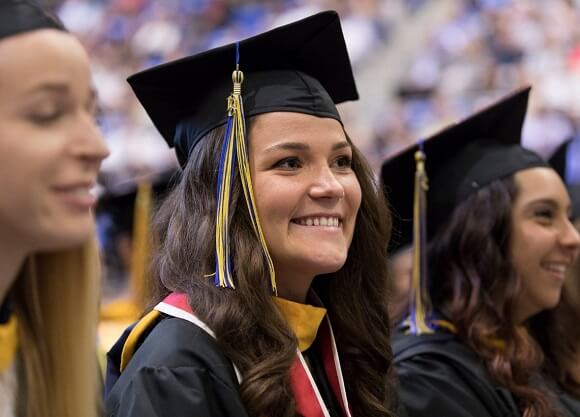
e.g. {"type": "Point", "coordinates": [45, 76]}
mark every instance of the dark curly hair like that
{"type": "Point", "coordinates": [247, 324]}
{"type": "Point", "coordinates": [473, 281]}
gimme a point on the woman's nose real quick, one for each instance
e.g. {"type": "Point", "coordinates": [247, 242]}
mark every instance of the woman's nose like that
{"type": "Point", "coordinates": [326, 185]}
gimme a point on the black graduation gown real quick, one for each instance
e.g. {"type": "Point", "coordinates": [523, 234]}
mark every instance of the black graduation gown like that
{"type": "Point", "coordinates": [440, 376]}
{"type": "Point", "coordinates": [569, 403]}
{"type": "Point", "coordinates": [179, 371]}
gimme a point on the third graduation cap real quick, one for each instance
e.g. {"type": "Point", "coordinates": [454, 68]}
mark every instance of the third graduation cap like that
{"type": "Point", "coordinates": [301, 67]}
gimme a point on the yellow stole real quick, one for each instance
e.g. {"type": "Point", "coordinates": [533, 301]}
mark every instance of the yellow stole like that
{"type": "Point", "coordinates": [8, 343]}
{"type": "Point", "coordinates": [303, 319]}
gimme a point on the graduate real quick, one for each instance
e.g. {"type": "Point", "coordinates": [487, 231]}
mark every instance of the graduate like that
{"type": "Point", "coordinates": [50, 153]}
{"type": "Point", "coordinates": [557, 330]}
{"type": "Point", "coordinates": [270, 255]}
{"type": "Point", "coordinates": [492, 242]}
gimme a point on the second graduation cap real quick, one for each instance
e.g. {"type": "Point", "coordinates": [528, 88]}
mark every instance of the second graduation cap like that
{"type": "Point", "coordinates": [459, 160]}
{"type": "Point", "coordinates": [426, 182]}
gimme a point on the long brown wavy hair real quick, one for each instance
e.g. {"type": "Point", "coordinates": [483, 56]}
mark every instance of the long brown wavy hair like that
{"type": "Point", "coordinates": [472, 280]}
{"type": "Point", "coordinates": [248, 327]}
{"type": "Point", "coordinates": [557, 332]}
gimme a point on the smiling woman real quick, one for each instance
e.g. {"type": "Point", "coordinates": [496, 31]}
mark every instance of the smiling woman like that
{"type": "Point", "coordinates": [50, 152]}
{"type": "Point", "coordinates": [499, 243]}
{"type": "Point", "coordinates": [309, 196]}
{"type": "Point", "coordinates": [544, 241]}
{"type": "Point", "coordinates": [556, 330]}
{"type": "Point", "coordinates": [293, 321]}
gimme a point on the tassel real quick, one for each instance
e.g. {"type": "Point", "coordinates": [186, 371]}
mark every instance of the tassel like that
{"type": "Point", "coordinates": [420, 305]}
{"type": "Point", "coordinates": [235, 149]}
{"type": "Point", "coordinates": [141, 241]}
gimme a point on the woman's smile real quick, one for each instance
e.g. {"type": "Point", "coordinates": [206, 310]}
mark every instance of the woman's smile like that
{"type": "Point", "coordinates": [328, 221]}
{"type": "Point", "coordinates": [306, 193]}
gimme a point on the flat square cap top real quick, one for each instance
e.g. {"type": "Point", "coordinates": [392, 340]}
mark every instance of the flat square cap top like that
{"type": "Point", "coordinates": [302, 67]}
{"type": "Point", "coordinates": [460, 160]}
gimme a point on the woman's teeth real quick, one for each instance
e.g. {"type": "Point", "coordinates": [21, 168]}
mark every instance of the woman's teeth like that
{"type": "Point", "coordinates": [318, 221]}
{"type": "Point", "coordinates": [555, 267]}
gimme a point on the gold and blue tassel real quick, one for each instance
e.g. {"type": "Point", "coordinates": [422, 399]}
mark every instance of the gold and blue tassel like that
{"type": "Point", "coordinates": [419, 305]}
{"type": "Point", "coordinates": [235, 149]}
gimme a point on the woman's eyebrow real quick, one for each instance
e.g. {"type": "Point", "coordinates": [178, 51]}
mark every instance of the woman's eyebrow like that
{"type": "Point", "coordinates": [301, 146]}
{"type": "Point", "coordinates": [55, 88]}
{"type": "Point", "coordinates": [552, 203]}
{"type": "Point", "coordinates": [340, 145]}
{"type": "Point", "coordinates": [295, 146]}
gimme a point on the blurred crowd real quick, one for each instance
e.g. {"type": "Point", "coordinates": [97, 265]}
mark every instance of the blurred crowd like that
{"type": "Point", "coordinates": [125, 36]}
{"type": "Point", "coordinates": [485, 49]}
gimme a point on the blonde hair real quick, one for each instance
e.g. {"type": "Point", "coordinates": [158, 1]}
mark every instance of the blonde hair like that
{"type": "Point", "coordinates": [55, 299]}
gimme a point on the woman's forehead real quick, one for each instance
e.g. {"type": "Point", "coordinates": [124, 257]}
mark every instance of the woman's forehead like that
{"type": "Point", "coordinates": [540, 184]}
{"type": "Point", "coordinates": [287, 129]}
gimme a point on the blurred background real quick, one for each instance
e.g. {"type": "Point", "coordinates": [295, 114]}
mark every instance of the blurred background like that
{"type": "Point", "coordinates": [419, 65]}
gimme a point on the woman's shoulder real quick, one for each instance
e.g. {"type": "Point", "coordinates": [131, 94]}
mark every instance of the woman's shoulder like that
{"type": "Point", "coordinates": [172, 342]}
{"type": "Point", "coordinates": [568, 401]}
{"type": "Point", "coordinates": [176, 365]}
{"type": "Point", "coordinates": [440, 374]}
{"type": "Point", "coordinates": [440, 346]}
{"type": "Point", "coordinates": [434, 356]}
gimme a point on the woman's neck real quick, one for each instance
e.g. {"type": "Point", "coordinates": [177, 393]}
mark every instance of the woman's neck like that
{"type": "Point", "coordinates": [11, 261]}
{"type": "Point", "coordinates": [294, 288]}
{"type": "Point", "coordinates": [297, 295]}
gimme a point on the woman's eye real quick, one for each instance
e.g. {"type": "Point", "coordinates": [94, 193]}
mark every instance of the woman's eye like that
{"type": "Point", "coordinates": [288, 163]}
{"type": "Point", "coordinates": [544, 213]}
{"type": "Point", "coordinates": [343, 162]}
{"type": "Point", "coordinates": [45, 117]}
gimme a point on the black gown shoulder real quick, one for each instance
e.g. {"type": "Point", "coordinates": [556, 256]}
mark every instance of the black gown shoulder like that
{"type": "Point", "coordinates": [440, 376]}
{"type": "Point", "coordinates": [178, 371]}
{"type": "Point", "coordinates": [569, 403]}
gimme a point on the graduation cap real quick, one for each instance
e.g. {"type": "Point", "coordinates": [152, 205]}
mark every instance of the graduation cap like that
{"type": "Point", "coordinates": [458, 161]}
{"type": "Point", "coordinates": [19, 16]}
{"type": "Point", "coordinates": [301, 67]}
{"type": "Point", "coordinates": [124, 209]}
{"type": "Point", "coordinates": [566, 161]}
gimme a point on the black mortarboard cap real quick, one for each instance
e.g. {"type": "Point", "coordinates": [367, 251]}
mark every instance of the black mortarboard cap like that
{"type": "Point", "coordinates": [118, 198]}
{"type": "Point", "coordinates": [460, 159]}
{"type": "Point", "coordinates": [566, 161]}
{"type": "Point", "coordinates": [19, 16]}
{"type": "Point", "coordinates": [302, 67]}
{"type": "Point", "coordinates": [125, 209]}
